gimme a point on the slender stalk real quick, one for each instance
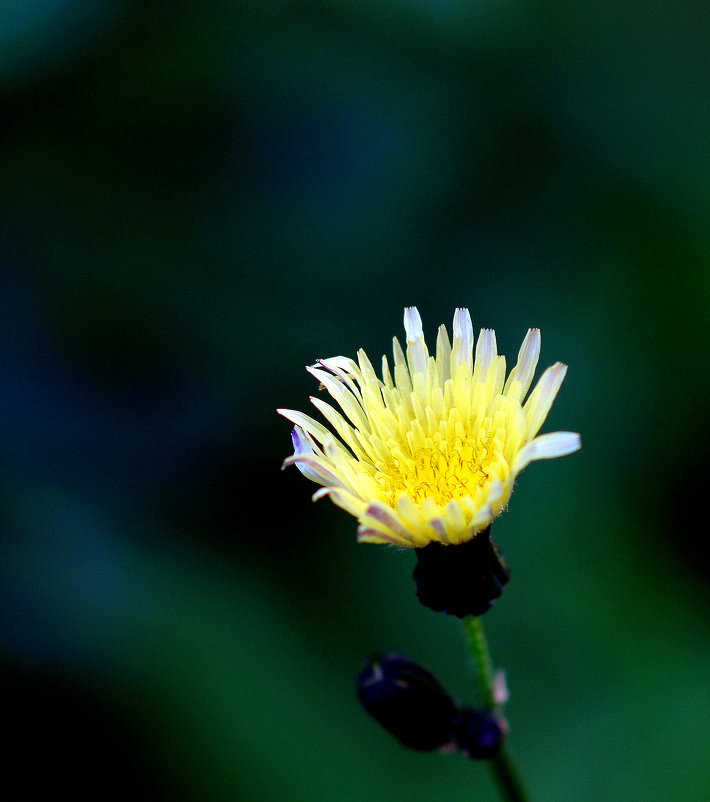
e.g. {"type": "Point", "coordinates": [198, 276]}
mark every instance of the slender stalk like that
{"type": "Point", "coordinates": [482, 660]}
{"type": "Point", "coordinates": [508, 777]}
{"type": "Point", "coordinates": [503, 766]}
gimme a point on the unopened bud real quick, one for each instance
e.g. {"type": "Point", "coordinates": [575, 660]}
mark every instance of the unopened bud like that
{"type": "Point", "coordinates": [408, 701]}
{"type": "Point", "coordinates": [479, 733]}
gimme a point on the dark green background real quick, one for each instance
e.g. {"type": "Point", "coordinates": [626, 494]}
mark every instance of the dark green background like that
{"type": "Point", "coordinates": [199, 199]}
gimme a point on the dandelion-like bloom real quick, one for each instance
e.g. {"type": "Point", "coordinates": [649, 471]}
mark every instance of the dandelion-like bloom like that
{"type": "Point", "coordinates": [429, 455]}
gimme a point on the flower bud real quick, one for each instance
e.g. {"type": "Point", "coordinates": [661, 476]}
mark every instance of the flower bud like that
{"type": "Point", "coordinates": [460, 580]}
{"type": "Point", "coordinates": [407, 700]}
{"type": "Point", "coordinates": [479, 733]}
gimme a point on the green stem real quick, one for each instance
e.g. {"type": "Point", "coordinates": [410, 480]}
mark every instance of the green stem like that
{"type": "Point", "coordinates": [508, 777]}
{"type": "Point", "coordinates": [482, 660]}
{"type": "Point", "coordinates": [502, 765]}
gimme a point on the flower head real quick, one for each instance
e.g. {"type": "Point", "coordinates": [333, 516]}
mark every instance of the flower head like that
{"type": "Point", "coordinates": [430, 452]}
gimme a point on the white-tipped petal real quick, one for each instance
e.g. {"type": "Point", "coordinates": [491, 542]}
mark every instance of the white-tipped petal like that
{"type": "Point", "coordinates": [462, 351]}
{"type": "Point", "coordinates": [346, 370]}
{"type": "Point", "coordinates": [344, 430]}
{"type": "Point", "coordinates": [313, 469]}
{"type": "Point", "coordinates": [349, 403]}
{"type": "Point", "coordinates": [486, 352]}
{"type": "Point", "coordinates": [302, 444]}
{"type": "Point", "coordinates": [303, 421]}
{"type": "Point", "coordinates": [521, 375]}
{"type": "Point", "coordinates": [538, 405]}
{"type": "Point", "coordinates": [310, 462]}
{"type": "Point", "coordinates": [548, 446]}
{"type": "Point", "coordinates": [417, 353]}
{"type": "Point", "coordinates": [413, 324]}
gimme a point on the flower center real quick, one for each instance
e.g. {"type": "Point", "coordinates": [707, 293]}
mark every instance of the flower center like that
{"type": "Point", "coordinates": [443, 470]}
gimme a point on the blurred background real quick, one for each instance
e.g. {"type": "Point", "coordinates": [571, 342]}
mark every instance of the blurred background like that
{"type": "Point", "coordinates": [196, 201]}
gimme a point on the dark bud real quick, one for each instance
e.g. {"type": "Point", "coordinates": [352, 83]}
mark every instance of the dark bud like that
{"type": "Point", "coordinates": [408, 701]}
{"type": "Point", "coordinates": [479, 733]}
{"type": "Point", "coordinates": [461, 580]}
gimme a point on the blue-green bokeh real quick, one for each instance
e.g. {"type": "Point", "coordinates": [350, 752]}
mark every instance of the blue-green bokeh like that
{"type": "Point", "coordinates": [198, 202]}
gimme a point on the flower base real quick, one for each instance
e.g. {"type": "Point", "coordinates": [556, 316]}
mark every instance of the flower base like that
{"type": "Point", "coordinates": [461, 580]}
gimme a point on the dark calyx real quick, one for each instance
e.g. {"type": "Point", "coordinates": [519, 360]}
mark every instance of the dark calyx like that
{"type": "Point", "coordinates": [461, 580]}
{"type": "Point", "coordinates": [408, 701]}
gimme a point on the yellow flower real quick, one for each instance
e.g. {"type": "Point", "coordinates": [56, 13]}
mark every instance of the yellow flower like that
{"type": "Point", "coordinates": [431, 454]}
